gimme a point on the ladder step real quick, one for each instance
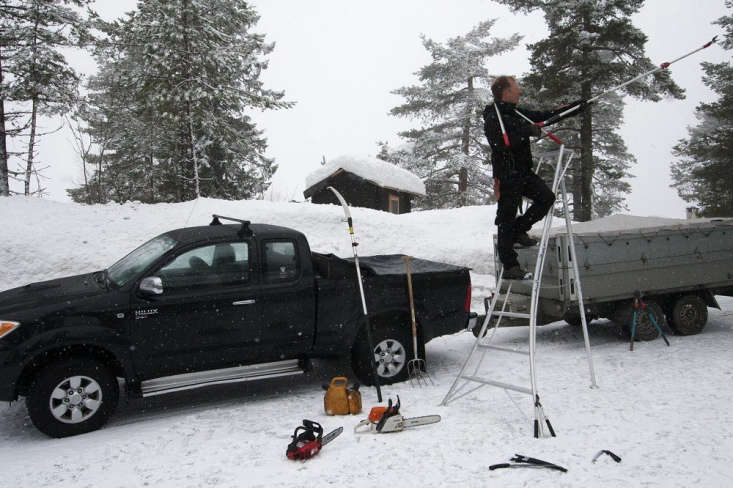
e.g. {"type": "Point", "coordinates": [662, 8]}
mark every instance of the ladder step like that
{"type": "Point", "coordinates": [504, 349]}
{"type": "Point", "coordinates": [505, 386]}
{"type": "Point", "coordinates": [516, 315]}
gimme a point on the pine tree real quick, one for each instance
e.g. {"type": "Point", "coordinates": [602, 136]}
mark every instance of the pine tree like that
{"type": "Point", "coordinates": [185, 71]}
{"type": "Point", "coordinates": [703, 174]}
{"type": "Point", "coordinates": [449, 150]}
{"type": "Point", "coordinates": [35, 73]}
{"type": "Point", "coordinates": [593, 46]}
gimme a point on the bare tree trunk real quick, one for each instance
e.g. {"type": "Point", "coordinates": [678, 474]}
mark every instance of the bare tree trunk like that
{"type": "Point", "coordinates": [86, 182]}
{"type": "Point", "coordinates": [4, 182]}
{"type": "Point", "coordinates": [82, 149]}
{"type": "Point", "coordinates": [189, 115]}
{"type": "Point", "coordinates": [584, 211]}
{"type": "Point", "coordinates": [31, 147]}
{"type": "Point", "coordinates": [583, 191]}
{"type": "Point", "coordinates": [34, 113]}
{"type": "Point", "coordinates": [100, 190]}
{"type": "Point", "coordinates": [193, 152]}
{"type": "Point", "coordinates": [465, 147]}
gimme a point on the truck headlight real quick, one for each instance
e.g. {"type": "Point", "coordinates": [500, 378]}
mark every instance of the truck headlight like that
{"type": "Point", "coordinates": [7, 326]}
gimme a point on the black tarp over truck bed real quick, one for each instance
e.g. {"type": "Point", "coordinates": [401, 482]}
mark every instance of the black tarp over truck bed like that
{"type": "Point", "coordinates": [438, 299]}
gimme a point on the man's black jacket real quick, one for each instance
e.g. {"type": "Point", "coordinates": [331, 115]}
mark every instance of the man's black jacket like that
{"type": "Point", "coordinates": [518, 156]}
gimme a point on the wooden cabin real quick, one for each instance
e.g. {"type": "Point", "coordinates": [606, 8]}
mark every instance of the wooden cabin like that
{"type": "Point", "coordinates": [365, 182]}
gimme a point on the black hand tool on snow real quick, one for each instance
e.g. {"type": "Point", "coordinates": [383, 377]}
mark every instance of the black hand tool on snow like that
{"type": "Point", "coordinates": [520, 461]}
{"type": "Point", "coordinates": [606, 451]}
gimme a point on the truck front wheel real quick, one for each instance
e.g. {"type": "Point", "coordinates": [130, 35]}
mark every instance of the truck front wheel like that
{"type": "Point", "coordinates": [71, 397]}
{"type": "Point", "coordinates": [689, 315]}
{"type": "Point", "coordinates": [392, 350]}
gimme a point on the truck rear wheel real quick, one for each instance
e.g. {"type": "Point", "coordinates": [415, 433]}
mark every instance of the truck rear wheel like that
{"type": "Point", "coordinates": [392, 350]}
{"type": "Point", "coordinates": [71, 397]}
{"type": "Point", "coordinates": [689, 315]}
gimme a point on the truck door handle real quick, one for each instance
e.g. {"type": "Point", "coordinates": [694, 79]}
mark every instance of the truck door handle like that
{"type": "Point", "coordinates": [244, 302]}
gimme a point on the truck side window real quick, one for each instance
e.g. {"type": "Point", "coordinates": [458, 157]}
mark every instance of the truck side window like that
{"type": "Point", "coordinates": [226, 263]}
{"type": "Point", "coordinates": [281, 262]}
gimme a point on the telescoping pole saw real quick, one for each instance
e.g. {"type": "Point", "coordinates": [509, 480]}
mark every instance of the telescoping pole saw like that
{"type": "Point", "coordinates": [368, 328]}
{"type": "Point", "coordinates": [662, 66]}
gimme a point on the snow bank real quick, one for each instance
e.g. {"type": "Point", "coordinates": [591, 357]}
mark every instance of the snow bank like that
{"type": "Point", "coordinates": [44, 239]}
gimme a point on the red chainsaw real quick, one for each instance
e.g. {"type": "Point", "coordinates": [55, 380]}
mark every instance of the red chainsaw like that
{"type": "Point", "coordinates": [308, 440]}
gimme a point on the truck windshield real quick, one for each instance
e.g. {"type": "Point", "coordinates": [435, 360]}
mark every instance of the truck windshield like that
{"type": "Point", "coordinates": [138, 260]}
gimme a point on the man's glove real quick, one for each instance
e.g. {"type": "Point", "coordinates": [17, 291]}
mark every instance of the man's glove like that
{"type": "Point", "coordinates": [535, 130]}
{"type": "Point", "coordinates": [497, 189]}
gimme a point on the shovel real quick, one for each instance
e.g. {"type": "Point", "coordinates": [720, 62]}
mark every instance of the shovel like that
{"type": "Point", "coordinates": [416, 370]}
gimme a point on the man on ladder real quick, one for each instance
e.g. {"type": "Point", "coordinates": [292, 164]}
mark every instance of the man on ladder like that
{"type": "Point", "coordinates": [511, 162]}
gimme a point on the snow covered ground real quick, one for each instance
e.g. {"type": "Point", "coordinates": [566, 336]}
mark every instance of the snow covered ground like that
{"type": "Point", "coordinates": [665, 410]}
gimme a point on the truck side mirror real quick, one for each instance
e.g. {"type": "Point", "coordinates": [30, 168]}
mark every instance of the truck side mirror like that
{"type": "Point", "coordinates": [152, 285]}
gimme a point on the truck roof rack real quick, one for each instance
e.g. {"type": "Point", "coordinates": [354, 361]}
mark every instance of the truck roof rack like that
{"type": "Point", "coordinates": [243, 231]}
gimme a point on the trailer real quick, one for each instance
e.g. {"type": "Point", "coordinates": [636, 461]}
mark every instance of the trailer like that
{"type": "Point", "coordinates": [677, 267]}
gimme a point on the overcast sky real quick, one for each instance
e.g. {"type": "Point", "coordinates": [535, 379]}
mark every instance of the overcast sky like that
{"type": "Point", "coordinates": [339, 60]}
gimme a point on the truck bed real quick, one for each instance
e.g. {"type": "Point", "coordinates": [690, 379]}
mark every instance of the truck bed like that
{"type": "Point", "coordinates": [438, 293]}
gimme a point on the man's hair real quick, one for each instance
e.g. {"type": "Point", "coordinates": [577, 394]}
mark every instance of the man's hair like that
{"type": "Point", "coordinates": [500, 84]}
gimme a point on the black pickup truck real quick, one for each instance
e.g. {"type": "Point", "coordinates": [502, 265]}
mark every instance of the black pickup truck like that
{"type": "Point", "coordinates": [210, 305]}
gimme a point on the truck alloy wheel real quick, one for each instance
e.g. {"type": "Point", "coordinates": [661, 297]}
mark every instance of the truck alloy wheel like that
{"type": "Point", "coordinates": [75, 399]}
{"type": "Point", "coordinates": [689, 315]}
{"type": "Point", "coordinates": [71, 397]}
{"type": "Point", "coordinates": [392, 350]}
{"type": "Point", "coordinates": [391, 357]}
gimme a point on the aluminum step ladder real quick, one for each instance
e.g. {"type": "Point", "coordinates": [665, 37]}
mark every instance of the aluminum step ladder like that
{"type": "Point", "coordinates": [483, 341]}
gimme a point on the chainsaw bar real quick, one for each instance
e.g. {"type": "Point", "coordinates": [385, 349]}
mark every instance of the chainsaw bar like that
{"type": "Point", "coordinates": [395, 423]}
{"type": "Point", "coordinates": [424, 420]}
{"type": "Point", "coordinates": [331, 436]}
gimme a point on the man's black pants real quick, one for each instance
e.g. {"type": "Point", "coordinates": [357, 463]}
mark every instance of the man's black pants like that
{"type": "Point", "coordinates": [525, 184]}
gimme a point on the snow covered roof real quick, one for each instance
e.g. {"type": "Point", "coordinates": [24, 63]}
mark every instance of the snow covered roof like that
{"type": "Point", "coordinates": [381, 173]}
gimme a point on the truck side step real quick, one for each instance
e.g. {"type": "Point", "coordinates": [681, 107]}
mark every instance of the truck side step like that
{"type": "Point", "coordinates": [199, 379]}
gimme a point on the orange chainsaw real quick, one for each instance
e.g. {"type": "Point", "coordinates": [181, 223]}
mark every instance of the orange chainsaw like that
{"type": "Point", "coordinates": [388, 419]}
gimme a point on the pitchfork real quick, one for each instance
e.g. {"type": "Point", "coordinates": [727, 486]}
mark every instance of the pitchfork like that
{"type": "Point", "coordinates": [416, 369]}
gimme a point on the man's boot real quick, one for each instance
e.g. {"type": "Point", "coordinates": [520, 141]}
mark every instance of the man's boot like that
{"type": "Point", "coordinates": [516, 273]}
{"type": "Point", "coordinates": [523, 239]}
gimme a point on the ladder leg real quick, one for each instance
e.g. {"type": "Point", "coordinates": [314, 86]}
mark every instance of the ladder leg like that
{"type": "Point", "coordinates": [578, 286]}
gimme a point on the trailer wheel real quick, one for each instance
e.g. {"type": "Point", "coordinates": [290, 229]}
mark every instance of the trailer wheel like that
{"type": "Point", "coordinates": [645, 330]}
{"type": "Point", "coordinates": [576, 321]}
{"type": "Point", "coordinates": [392, 350]}
{"type": "Point", "coordinates": [689, 315]}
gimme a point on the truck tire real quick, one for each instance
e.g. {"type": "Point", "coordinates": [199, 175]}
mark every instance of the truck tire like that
{"type": "Point", "coordinates": [689, 315]}
{"type": "Point", "coordinates": [71, 397]}
{"type": "Point", "coordinates": [645, 330]}
{"type": "Point", "coordinates": [576, 321]}
{"type": "Point", "coordinates": [392, 350]}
